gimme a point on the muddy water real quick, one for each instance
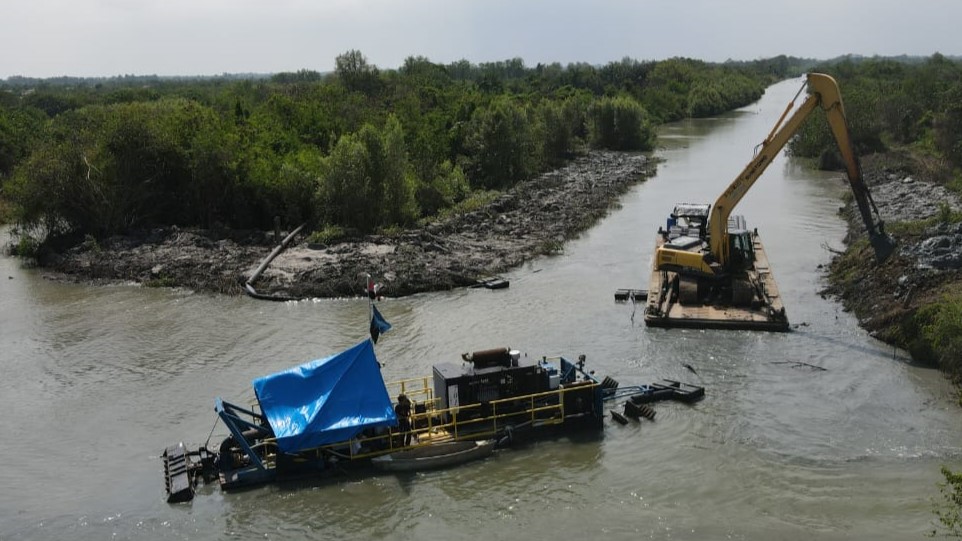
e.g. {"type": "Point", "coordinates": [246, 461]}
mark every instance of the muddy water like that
{"type": "Point", "coordinates": [96, 381]}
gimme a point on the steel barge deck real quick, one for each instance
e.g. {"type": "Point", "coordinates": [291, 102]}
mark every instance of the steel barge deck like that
{"type": "Point", "coordinates": [664, 310]}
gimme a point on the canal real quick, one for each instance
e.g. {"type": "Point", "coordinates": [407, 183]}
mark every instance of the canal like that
{"type": "Point", "coordinates": [98, 380]}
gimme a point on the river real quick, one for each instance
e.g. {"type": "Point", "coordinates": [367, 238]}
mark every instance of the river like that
{"type": "Point", "coordinates": [98, 380]}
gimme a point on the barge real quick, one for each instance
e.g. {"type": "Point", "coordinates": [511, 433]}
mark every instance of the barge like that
{"type": "Point", "coordinates": [748, 301]}
{"type": "Point", "coordinates": [337, 413]}
{"type": "Point", "coordinates": [710, 270]}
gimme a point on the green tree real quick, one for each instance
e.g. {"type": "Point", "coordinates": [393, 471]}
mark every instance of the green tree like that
{"type": "Point", "coordinates": [620, 124]}
{"type": "Point", "coordinates": [20, 128]}
{"type": "Point", "coordinates": [297, 181]}
{"type": "Point", "coordinates": [100, 155]}
{"type": "Point", "coordinates": [341, 197]}
{"type": "Point", "coordinates": [501, 145]}
{"type": "Point", "coordinates": [53, 103]}
{"type": "Point", "coordinates": [445, 188]}
{"type": "Point", "coordinates": [353, 70]}
{"type": "Point", "coordinates": [391, 188]}
{"type": "Point", "coordinates": [299, 76]}
{"type": "Point", "coordinates": [366, 183]}
{"type": "Point", "coordinates": [562, 122]}
{"type": "Point", "coordinates": [948, 126]}
{"type": "Point", "coordinates": [110, 168]}
{"type": "Point", "coordinates": [704, 100]}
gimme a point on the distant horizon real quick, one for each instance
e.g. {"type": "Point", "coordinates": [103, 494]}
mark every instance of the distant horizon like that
{"type": "Point", "coordinates": [96, 38]}
{"type": "Point", "coordinates": [267, 74]}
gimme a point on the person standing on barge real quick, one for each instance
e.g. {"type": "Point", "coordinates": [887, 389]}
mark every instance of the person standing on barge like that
{"type": "Point", "coordinates": [403, 410]}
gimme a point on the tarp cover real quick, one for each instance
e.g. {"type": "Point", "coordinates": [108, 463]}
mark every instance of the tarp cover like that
{"type": "Point", "coordinates": [326, 401]}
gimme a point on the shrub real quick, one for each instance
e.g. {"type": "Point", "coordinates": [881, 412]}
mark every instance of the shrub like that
{"type": "Point", "coordinates": [447, 187]}
{"type": "Point", "coordinates": [327, 235]}
{"type": "Point", "coordinates": [941, 329]}
{"type": "Point", "coordinates": [949, 510]}
{"type": "Point", "coordinates": [620, 124]}
{"type": "Point", "coordinates": [501, 147]}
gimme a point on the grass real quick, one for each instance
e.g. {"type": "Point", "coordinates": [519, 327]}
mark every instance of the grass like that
{"type": "Point", "coordinates": [851, 265]}
{"type": "Point", "coordinates": [914, 228]}
{"type": "Point", "coordinates": [917, 227]}
{"type": "Point", "coordinates": [330, 234]}
{"type": "Point", "coordinates": [937, 329]}
{"type": "Point", "coordinates": [163, 281]}
{"type": "Point", "coordinates": [953, 179]}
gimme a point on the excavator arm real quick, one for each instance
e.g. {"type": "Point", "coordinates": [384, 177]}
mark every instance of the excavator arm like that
{"type": "Point", "coordinates": [823, 93]}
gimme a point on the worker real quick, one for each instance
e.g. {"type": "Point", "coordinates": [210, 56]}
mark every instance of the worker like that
{"type": "Point", "coordinates": [403, 411]}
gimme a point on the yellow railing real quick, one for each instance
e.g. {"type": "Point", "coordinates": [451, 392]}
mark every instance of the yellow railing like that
{"type": "Point", "coordinates": [417, 389]}
{"type": "Point", "coordinates": [461, 422]}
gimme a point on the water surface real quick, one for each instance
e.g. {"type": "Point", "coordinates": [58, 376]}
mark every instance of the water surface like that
{"type": "Point", "coordinates": [97, 381]}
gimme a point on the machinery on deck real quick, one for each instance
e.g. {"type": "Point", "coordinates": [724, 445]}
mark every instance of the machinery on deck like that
{"type": "Point", "coordinates": [336, 413]}
{"type": "Point", "coordinates": [710, 270]}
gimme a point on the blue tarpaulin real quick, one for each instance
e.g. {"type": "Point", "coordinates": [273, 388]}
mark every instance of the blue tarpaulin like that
{"type": "Point", "coordinates": [326, 401]}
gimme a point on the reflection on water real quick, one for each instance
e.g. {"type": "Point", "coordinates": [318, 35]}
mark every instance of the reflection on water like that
{"type": "Point", "coordinates": [98, 380]}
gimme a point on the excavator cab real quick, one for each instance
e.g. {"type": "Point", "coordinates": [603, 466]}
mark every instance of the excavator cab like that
{"type": "Point", "coordinates": [741, 250]}
{"type": "Point", "coordinates": [689, 219]}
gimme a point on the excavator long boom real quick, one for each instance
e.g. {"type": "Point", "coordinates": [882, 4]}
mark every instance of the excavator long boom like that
{"type": "Point", "coordinates": [824, 93]}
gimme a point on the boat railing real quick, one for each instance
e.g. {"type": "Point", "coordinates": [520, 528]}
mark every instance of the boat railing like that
{"type": "Point", "coordinates": [419, 390]}
{"type": "Point", "coordinates": [470, 421]}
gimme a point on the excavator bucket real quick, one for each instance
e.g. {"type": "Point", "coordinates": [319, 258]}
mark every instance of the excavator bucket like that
{"type": "Point", "coordinates": [883, 244]}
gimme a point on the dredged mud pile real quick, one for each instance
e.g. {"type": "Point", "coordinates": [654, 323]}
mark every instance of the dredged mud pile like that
{"type": "Point", "coordinates": [928, 255]}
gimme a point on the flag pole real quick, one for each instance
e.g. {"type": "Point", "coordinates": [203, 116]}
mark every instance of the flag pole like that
{"type": "Point", "coordinates": [370, 300]}
{"type": "Point", "coordinates": [370, 294]}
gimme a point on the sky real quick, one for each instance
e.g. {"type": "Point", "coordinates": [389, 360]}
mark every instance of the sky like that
{"type": "Point", "coordinates": [86, 38]}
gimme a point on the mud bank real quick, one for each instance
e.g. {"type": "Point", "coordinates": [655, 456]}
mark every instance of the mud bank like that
{"type": "Point", "coordinates": [533, 219]}
{"type": "Point", "coordinates": [928, 256]}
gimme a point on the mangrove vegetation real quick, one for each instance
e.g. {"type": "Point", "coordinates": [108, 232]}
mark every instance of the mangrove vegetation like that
{"type": "Point", "coordinates": [359, 149]}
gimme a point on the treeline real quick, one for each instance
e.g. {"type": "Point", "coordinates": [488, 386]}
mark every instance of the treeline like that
{"type": "Point", "coordinates": [914, 107]}
{"type": "Point", "coordinates": [895, 103]}
{"type": "Point", "coordinates": [358, 149]}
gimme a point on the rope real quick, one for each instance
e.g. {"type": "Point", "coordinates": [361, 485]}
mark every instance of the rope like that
{"type": "Point", "coordinates": [211, 433]}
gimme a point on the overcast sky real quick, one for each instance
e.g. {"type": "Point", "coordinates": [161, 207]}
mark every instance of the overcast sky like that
{"type": "Point", "coordinates": [46, 38]}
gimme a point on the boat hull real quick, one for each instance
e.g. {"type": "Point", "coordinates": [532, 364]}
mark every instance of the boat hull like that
{"type": "Point", "coordinates": [434, 456]}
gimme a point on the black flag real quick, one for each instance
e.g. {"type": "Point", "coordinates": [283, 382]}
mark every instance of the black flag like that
{"type": "Point", "coordinates": [379, 325]}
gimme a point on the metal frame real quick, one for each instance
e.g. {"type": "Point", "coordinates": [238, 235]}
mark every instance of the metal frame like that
{"type": "Point", "coordinates": [229, 413]}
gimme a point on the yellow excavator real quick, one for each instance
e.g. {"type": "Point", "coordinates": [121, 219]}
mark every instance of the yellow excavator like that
{"type": "Point", "coordinates": [711, 251]}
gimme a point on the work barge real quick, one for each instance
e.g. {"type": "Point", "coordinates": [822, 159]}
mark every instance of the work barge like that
{"type": "Point", "coordinates": [336, 414]}
{"type": "Point", "coordinates": [710, 270]}
{"type": "Point", "coordinates": [673, 301]}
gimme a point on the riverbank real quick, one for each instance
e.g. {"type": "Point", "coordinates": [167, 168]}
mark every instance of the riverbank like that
{"type": "Point", "coordinates": [918, 211]}
{"type": "Point", "coordinates": [532, 219]}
